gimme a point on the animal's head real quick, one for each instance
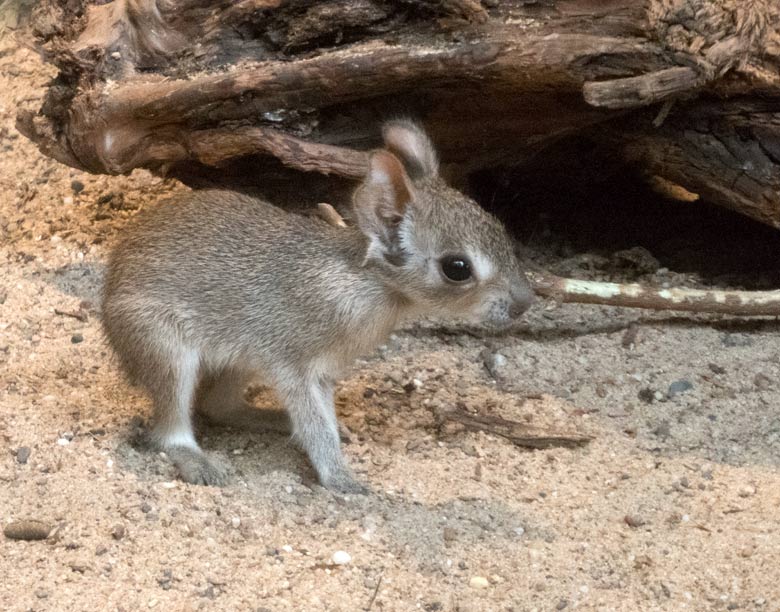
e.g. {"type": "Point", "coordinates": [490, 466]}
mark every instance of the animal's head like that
{"type": "Point", "coordinates": [437, 247]}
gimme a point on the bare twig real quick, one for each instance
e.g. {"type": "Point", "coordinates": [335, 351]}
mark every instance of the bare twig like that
{"type": "Point", "coordinates": [519, 434]}
{"type": "Point", "coordinates": [330, 214]}
{"type": "Point", "coordinates": [740, 303]}
{"type": "Point", "coordinates": [671, 190]}
{"type": "Point", "coordinates": [376, 592]}
{"type": "Point", "coordinates": [78, 314]}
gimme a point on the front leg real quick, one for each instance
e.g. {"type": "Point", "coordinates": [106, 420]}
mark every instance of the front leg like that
{"type": "Point", "coordinates": [309, 402]}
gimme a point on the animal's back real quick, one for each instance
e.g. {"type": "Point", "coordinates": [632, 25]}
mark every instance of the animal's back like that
{"type": "Point", "coordinates": [231, 273]}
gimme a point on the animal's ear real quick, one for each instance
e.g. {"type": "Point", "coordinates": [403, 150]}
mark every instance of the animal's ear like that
{"type": "Point", "coordinates": [380, 203]}
{"type": "Point", "coordinates": [411, 144]}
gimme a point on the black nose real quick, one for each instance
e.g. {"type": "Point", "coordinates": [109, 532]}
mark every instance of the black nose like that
{"type": "Point", "coordinates": [522, 298]}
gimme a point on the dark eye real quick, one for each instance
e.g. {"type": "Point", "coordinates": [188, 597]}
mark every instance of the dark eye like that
{"type": "Point", "coordinates": [456, 268]}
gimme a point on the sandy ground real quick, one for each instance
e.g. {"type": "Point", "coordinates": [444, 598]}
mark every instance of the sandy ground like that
{"type": "Point", "coordinates": [674, 505]}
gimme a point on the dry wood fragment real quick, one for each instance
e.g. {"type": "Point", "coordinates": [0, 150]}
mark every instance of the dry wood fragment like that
{"type": "Point", "coordinates": [182, 85]}
{"type": "Point", "coordinates": [519, 434]}
{"type": "Point", "coordinates": [738, 303]}
{"type": "Point", "coordinates": [27, 530]}
{"type": "Point", "coordinates": [330, 214]}
{"type": "Point", "coordinates": [81, 315]}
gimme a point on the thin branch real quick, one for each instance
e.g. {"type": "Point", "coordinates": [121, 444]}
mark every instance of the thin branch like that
{"type": "Point", "coordinates": [738, 303]}
{"type": "Point", "coordinates": [330, 214]}
{"type": "Point", "coordinates": [519, 434]}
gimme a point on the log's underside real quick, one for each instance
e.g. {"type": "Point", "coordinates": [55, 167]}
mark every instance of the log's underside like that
{"type": "Point", "coordinates": [685, 91]}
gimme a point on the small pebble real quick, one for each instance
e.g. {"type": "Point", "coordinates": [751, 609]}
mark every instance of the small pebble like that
{"type": "Point", "coordinates": [27, 530]}
{"type": "Point", "coordinates": [716, 369]}
{"type": "Point", "coordinates": [494, 362]}
{"type": "Point", "coordinates": [736, 340]}
{"type": "Point", "coordinates": [646, 395]}
{"type": "Point", "coordinates": [76, 338]}
{"type": "Point", "coordinates": [77, 186]}
{"type": "Point", "coordinates": [762, 381]}
{"type": "Point", "coordinates": [67, 200]}
{"type": "Point", "coordinates": [118, 532]}
{"type": "Point", "coordinates": [663, 429]}
{"type": "Point", "coordinates": [747, 491]}
{"type": "Point", "coordinates": [679, 386]}
{"type": "Point", "coordinates": [236, 522]}
{"type": "Point", "coordinates": [629, 337]}
{"type": "Point", "coordinates": [634, 521]}
{"type": "Point", "coordinates": [479, 582]}
{"type": "Point", "coordinates": [22, 454]}
{"type": "Point", "coordinates": [561, 605]}
{"type": "Point", "coordinates": [341, 557]}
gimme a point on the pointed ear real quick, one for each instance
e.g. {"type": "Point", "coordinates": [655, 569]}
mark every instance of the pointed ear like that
{"type": "Point", "coordinates": [380, 203]}
{"type": "Point", "coordinates": [411, 144]}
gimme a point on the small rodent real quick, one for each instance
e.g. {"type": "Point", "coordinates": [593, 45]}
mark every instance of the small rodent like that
{"type": "Point", "coordinates": [212, 290]}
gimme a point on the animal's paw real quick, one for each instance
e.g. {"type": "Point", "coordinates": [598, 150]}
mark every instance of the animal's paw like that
{"type": "Point", "coordinates": [344, 483]}
{"type": "Point", "coordinates": [196, 468]}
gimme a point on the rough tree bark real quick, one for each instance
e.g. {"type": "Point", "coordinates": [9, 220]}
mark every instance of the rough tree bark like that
{"type": "Point", "coordinates": [686, 91]}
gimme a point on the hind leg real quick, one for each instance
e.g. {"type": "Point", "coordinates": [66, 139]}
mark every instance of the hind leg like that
{"type": "Point", "coordinates": [173, 389]}
{"type": "Point", "coordinates": [221, 400]}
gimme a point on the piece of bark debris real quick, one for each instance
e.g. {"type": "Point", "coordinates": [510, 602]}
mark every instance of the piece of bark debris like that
{"type": "Point", "coordinates": [633, 520]}
{"type": "Point", "coordinates": [520, 434]}
{"type": "Point", "coordinates": [23, 454]}
{"type": "Point", "coordinates": [27, 530]}
{"type": "Point", "coordinates": [629, 336]}
{"type": "Point", "coordinates": [79, 314]}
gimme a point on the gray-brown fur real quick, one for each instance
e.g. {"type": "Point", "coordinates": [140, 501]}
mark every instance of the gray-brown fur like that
{"type": "Point", "coordinates": [209, 291]}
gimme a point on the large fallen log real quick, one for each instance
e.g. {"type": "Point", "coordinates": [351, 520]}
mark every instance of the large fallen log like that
{"type": "Point", "coordinates": [684, 90]}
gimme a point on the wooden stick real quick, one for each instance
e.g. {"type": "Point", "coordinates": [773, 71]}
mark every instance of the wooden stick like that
{"type": "Point", "coordinates": [638, 91]}
{"type": "Point", "coordinates": [330, 214]}
{"type": "Point", "coordinates": [519, 434]}
{"type": "Point", "coordinates": [738, 303]}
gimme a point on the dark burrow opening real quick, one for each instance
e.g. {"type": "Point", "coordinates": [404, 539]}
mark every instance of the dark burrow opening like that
{"type": "Point", "coordinates": [578, 210]}
{"type": "Point", "coordinates": [576, 206]}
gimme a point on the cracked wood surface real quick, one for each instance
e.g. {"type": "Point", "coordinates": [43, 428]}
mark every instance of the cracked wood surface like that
{"type": "Point", "coordinates": [186, 85]}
